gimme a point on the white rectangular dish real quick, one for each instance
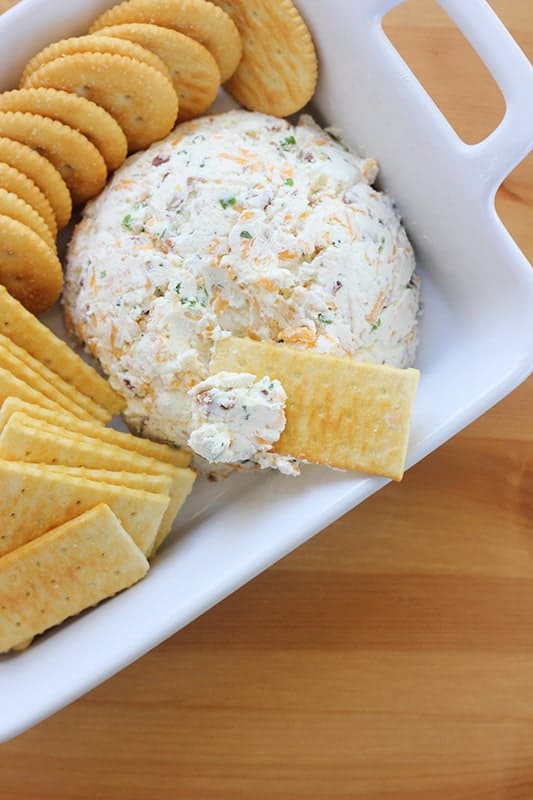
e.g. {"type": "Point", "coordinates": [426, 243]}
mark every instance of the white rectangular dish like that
{"type": "Point", "coordinates": [476, 339]}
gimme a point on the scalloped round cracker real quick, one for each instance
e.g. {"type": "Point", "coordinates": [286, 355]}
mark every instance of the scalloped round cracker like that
{"type": "Point", "coordinates": [79, 113]}
{"type": "Point", "coordinates": [199, 19]}
{"type": "Point", "coordinates": [15, 181]}
{"type": "Point", "coordinates": [193, 70]}
{"type": "Point", "coordinates": [29, 269]}
{"type": "Point", "coordinates": [140, 98]}
{"type": "Point", "coordinates": [91, 44]}
{"type": "Point", "coordinates": [72, 154]}
{"type": "Point", "coordinates": [44, 175]}
{"type": "Point", "coordinates": [12, 206]}
{"type": "Point", "coordinates": [278, 70]}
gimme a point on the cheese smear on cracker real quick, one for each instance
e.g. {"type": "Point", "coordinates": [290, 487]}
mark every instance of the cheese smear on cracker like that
{"type": "Point", "coordinates": [238, 224]}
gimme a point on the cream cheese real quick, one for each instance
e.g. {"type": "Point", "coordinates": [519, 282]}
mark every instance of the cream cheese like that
{"type": "Point", "coordinates": [236, 224]}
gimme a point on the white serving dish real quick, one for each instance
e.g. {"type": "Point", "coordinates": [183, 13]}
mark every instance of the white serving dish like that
{"type": "Point", "coordinates": [476, 335]}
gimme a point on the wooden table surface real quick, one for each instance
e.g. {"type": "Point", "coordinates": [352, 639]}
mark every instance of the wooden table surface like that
{"type": "Point", "coordinates": [391, 657]}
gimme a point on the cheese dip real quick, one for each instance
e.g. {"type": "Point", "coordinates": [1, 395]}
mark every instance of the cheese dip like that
{"type": "Point", "coordinates": [236, 224]}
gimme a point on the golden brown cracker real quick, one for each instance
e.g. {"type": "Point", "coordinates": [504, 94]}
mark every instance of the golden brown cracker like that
{"type": "Point", "coordinates": [66, 570]}
{"type": "Point", "coordinates": [126, 441]}
{"type": "Point", "coordinates": [17, 367]}
{"type": "Point", "coordinates": [36, 498]}
{"type": "Point", "coordinates": [340, 412]}
{"type": "Point", "coordinates": [15, 181]}
{"type": "Point", "coordinates": [26, 331]}
{"type": "Point", "coordinates": [91, 44]}
{"type": "Point", "coordinates": [77, 112]}
{"type": "Point", "coordinates": [193, 70]}
{"type": "Point", "coordinates": [42, 173]}
{"type": "Point", "coordinates": [72, 154]}
{"type": "Point", "coordinates": [157, 484]}
{"type": "Point", "coordinates": [199, 19]}
{"type": "Point", "coordinates": [29, 268]}
{"type": "Point", "coordinates": [25, 439]}
{"type": "Point", "coordinates": [277, 73]}
{"type": "Point", "coordinates": [141, 99]}
{"type": "Point", "coordinates": [12, 389]}
{"type": "Point", "coordinates": [82, 406]}
{"type": "Point", "coordinates": [12, 206]}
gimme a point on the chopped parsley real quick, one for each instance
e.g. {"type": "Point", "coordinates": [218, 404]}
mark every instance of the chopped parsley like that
{"type": "Point", "coordinates": [287, 142]}
{"type": "Point", "coordinates": [230, 201]}
{"type": "Point", "coordinates": [325, 318]}
{"type": "Point", "coordinates": [103, 273]}
{"type": "Point", "coordinates": [192, 301]}
{"type": "Point", "coordinates": [289, 182]}
{"type": "Point", "coordinates": [246, 235]}
{"type": "Point", "coordinates": [126, 222]}
{"type": "Point", "coordinates": [375, 326]}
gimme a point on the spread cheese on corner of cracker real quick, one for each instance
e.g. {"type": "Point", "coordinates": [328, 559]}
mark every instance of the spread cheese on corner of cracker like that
{"type": "Point", "coordinates": [340, 412]}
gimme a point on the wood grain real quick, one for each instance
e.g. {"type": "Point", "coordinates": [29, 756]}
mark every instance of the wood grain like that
{"type": "Point", "coordinates": [391, 658]}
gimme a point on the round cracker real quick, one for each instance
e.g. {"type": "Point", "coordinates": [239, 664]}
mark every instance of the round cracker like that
{"type": "Point", "coordinates": [140, 98]}
{"type": "Point", "coordinates": [29, 269]}
{"type": "Point", "coordinates": [77, 112]}
{"type": "Point", "coordinates": [198, 19]}
{"type": "Point", "coordinates": [193, 70]}
{"type": "Point", "coordinates": [44, 175]}
{"type": "Point", "coordinates": [15, 181]}
{"type": "Point", "coordinates": [72, 154]}
{"type": "Point", "coordinates": [91, 44]}
{"type": "Point", "coordinates": [278, 70]}
{"type": "Point", "coordinates": [12, 206]}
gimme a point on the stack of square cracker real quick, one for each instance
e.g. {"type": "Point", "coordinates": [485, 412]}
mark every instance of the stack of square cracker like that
{"type": "Point", "coordinates": [82, 506]}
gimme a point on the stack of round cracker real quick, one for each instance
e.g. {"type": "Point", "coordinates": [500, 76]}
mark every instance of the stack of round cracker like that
{"type": "Point", "coordinates": [86, 101]}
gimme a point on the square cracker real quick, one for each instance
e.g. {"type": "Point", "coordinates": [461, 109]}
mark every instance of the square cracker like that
{"type": "Point", "coordinates": [340, 412]}
{"type": "Point", "coordinates": [25, 330]}
{"type": "Point", "coordinates": [25, 439]}
{"type": "Point", "coordinates": [23, 372]}
{"type": "Point", "coordinates": [66, 389]}
{"type": "Point", "coordinates": [66, 570]}
{"type": "Point", "coordinates": [127, 441]}
{"type": "Point", "coordinates": [35, 498]}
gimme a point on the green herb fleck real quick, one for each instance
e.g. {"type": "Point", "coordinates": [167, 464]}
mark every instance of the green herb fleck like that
{"type": "Point", "coordinates": [126, 222]}
{"type": "Point", "coordinates": [326, 320]}
{"type": "Point", "coordinates": [287, 142]}
{"type": "Point", "coordinates": [246, 235]}
{"type": "Point", "coordinates": [289, 182]}
{"type": "Point", "coordinates": [229, 202]}
{"type": "Point", "coordinates": [103, 273]}
{"type": "Point", "coordinates": [375, 326]}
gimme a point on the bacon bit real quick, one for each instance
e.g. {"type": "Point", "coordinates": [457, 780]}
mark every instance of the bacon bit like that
{"type": "Point", "coordinates": [300, 335]}
{"type": "Point", "coordinates": [267, 284]}
{"type": "Point", "coordinates": [376, 309]}
{"type": "Point", "coordinates": [158, 160]}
